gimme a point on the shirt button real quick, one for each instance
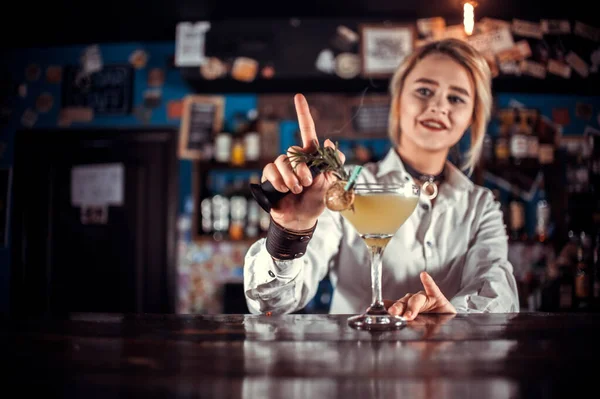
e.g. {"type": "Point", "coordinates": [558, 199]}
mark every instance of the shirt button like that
{"type": "Point", "coordinates": [429, 244]}
{"type": "Point", "coordinates": [271, 273]}
{"type": "Point", "coordinates": [425, 207]}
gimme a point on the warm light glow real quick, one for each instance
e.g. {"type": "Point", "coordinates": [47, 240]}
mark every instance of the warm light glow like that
{"type": "Point", "coordinates": [469, 17]}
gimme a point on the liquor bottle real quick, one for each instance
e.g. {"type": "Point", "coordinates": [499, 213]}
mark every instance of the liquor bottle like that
{"type": "Point", "coordinates": [501, 143]}
{"type": "Point", "coordinates": [533, 141]}
{"type": "Point", "coordinates": [517, 218]}
{"type": "Point", "coordinates": [565, 287]}
{"type": "Point", "coordinates": [252, 137]}
{"type": "Point", "coordinates": [596, 279]}
{"type": "Point", "coordinates": [583, 275]}
{"type": "Point", "coordinates": [238, 209]}
{"type": "Point", "coordinates": [547, 143]}
{"type": "Point", "coordinates": [252, 229]}
{"type": "Point", "coordinates": [518, 139]}
{"type": "Point", "coordinates": [222, 148]}
{"type": "Point", "coordinates": [238, 153]}
{"type": "Point", "coordinates": [542, 214]}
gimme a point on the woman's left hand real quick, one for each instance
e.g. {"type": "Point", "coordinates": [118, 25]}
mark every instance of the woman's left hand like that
{"type": "Point", "coordinates": [431, 300]}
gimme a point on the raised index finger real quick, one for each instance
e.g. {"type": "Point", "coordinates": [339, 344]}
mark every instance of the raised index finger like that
{"type": "Point", "coordinates": [305, 120]}
{"type": "Point", "coordinates": [431, 288]}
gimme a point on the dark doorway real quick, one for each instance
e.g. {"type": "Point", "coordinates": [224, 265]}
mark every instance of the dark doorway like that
{"type": "Point", "coordinates": [115, 258]}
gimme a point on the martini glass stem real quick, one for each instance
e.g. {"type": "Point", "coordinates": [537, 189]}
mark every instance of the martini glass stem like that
{"type": "Point", "coordinates": [376, 253]}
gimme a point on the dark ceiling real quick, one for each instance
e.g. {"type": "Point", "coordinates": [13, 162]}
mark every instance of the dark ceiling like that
{"type": "Point", "coordinates": [64, 22]}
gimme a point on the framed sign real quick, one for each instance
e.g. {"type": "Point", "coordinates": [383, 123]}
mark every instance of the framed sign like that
{"type": "Point", "coordinates": [106, 92]}
{"type": "Point", "coordinates": [384, 47]}
{"type": "Point", "coordinates": [202, 117]}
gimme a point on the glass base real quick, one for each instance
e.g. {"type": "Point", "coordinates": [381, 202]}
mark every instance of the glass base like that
{"type": "Point", "coordinates": [376, 318]}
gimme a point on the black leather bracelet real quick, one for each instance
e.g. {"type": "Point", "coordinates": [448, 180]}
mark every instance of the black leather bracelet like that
{"type": "Point", "coordinates": [284, 244]}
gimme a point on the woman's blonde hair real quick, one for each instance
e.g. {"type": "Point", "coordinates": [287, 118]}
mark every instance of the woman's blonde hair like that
{"type": "Point", "coordinates": [476, 64]}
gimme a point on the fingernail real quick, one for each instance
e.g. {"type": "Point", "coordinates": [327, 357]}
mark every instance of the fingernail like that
{"type": "Point", "coordinates": [297, 188]}
{"type": "Point", "coordinates": [307, 180]}
{"type": "Point", "coordinates": [408, 314]}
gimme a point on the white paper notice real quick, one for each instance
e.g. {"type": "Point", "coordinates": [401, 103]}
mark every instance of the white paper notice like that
{"type": "Point", "coordinates": [189, 43]}
{"type": "Point", "coordinates": [100, 184]}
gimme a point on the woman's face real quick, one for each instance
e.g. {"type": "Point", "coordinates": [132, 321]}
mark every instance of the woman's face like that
{"type": "Point", "coordinates": [436, 104]}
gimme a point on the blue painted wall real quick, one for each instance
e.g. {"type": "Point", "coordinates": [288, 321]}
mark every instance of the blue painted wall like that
{"type": "Point", "coordinates": [175, 88]}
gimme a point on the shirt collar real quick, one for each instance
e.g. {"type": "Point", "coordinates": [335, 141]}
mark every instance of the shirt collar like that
{"type": "Point", "coordinates": [456, 180]}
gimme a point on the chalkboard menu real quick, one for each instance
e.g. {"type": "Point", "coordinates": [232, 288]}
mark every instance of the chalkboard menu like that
{"type": "Point", "coordinates": [202, 118]}
{"type": "Point", "coordinates": [371, 118]}
{"type": "Point", "coordinates": [108, 91]}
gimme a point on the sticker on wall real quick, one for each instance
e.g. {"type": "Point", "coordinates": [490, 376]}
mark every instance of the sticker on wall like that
{"type": "Point", "coordinates": [586, 31]}
{"type": "Point", "coordinates": [33, 72]}
{"type": "Point", "coordinates": [53, 74]}
{"type": "Point", "coordinates": [78, 114]}
{"type": "Point", "coordinates": [325, 61]}
{"type": "Point", "coordinates": [524, 28]}
{"type": "Point", "coordinates": [213, 68]}
{"type": "Point", "coordinates": [143, 114]}
{"type": "Point", "coordinates": [44, 102]}
{"type": "Point", "coordinates": [345, 39]}
{"type": "Point", "coordinates": [138, 59]}
{"type": "Point", "coordinates": [583, 111]}
{"type": "Point", "coordinates": [560, 116]}
{"type": "Point", "coordinates": [63, 120]}
{"type": "Point", "coordinates": [152, 98]}
{"type": "Point", "coordinates": [91, 60]}
{"type": "Point", "coordinates": [347, 65]}
{"type": "Point", "coordinates": [22, 90]}
{"type": "Point", "coordinates": [532, 68]}
{"type": "Point", "coordinates": [431, 28]}
{"type": "Point", "coordinates": [577, 64]}
{"type": "Point", "coordinates": [267, 72]}
{"type": "Point", "coordinates": [29, 117]}
{"type": "Point", "coordinates": [560, 69]}
{"type": "Point", "coordinates": [94, 214]}
{"type": "Point", "coordinates": [555, 26]}
{"type": "Point", "coordinates": [174, 109]}
{"type": "Point", "coordinates": [156, 77]}
{"type": "Point", "coordinates": [510, 68]}
{"type": "Point", "coordinates": [244, 69]}
{"type": "Point", "coordinates": [189, 43]}
{"type": "Point", "coordinates": [595, 58]}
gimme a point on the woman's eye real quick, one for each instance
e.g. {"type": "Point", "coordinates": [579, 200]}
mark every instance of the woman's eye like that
{"type": "Point", "coordinates": [455, 100]}
{"type": "Point", "coordinates": [424, 91]}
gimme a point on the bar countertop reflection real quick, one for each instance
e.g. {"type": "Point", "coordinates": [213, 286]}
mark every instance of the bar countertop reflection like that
{"type": "Point", "coordinates": [525, 355]}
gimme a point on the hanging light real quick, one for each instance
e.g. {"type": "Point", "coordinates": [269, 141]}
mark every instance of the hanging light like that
{"type": "Point", "coordinates": [469, 16]}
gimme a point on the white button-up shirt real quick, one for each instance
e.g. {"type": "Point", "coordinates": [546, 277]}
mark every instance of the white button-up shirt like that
{"type": "Point", "coordinates": [460, 241]}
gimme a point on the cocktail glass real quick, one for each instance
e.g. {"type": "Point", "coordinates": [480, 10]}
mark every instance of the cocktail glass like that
{"type": "Point", "coordinates": [378, 211]}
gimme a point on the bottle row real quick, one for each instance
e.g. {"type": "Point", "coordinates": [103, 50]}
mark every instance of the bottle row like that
{"type": "Point", "coordinates": [568, 282]}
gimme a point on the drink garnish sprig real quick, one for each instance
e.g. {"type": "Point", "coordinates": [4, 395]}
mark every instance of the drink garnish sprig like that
{"type": "Point", "coordinates": [324, 159]}
{"type": "Point", "coordinates": [340, 195]}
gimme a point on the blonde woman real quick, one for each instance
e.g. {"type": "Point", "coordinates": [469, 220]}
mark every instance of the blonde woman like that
{"type": "Point", "coordinates": [450, 255]}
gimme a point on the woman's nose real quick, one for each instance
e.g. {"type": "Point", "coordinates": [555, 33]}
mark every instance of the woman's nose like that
{"type": "Point", "coordinates": [437, 105]}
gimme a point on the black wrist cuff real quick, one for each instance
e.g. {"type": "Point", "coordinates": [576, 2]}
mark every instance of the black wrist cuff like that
{"type": "Point", "coordinates": [284, 244]}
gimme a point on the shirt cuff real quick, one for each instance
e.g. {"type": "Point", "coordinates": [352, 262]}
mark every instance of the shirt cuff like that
{"type": "Point", "coordinates": [283, 270]}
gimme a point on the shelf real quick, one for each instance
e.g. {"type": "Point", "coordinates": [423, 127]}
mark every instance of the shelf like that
{"type": "Point", "coordinates": [334, 84]}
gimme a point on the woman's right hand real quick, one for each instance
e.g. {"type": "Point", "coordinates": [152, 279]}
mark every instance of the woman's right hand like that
{"type": "Point", "coordinates": [300, 210]}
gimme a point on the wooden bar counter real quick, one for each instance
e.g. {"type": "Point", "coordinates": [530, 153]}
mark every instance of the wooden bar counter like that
{"type": "Point", "coordinates": [522, 355]}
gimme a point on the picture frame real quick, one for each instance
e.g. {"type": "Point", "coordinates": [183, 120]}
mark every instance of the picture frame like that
{"type": "Point", "coordinates": [383, 47]}
{"type": "Point", "coordinates": [201, 120]}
